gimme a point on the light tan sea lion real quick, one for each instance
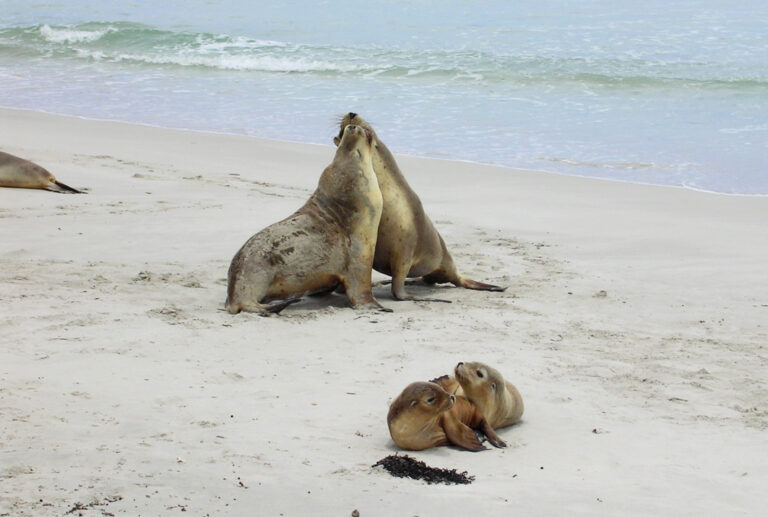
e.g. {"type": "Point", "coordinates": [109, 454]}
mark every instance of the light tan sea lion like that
{"type": "Point", "coordinates": [424, 415]}
{"type": "Point", "coordinates": [499, 400]}
{"type": "Point", "coordinates": [408, 244]}
{"type": "Point", "coordinates": [20, 173]}
{"type": "Point", "coordinates": [327, 242]}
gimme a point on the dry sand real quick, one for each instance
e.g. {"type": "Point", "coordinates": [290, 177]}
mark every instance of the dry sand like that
{"type": "Point", "coordinates": [635, 326]}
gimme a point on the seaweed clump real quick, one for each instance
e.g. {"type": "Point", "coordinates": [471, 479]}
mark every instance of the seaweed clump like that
{"type": "Point", "coordinates": [405, 466]}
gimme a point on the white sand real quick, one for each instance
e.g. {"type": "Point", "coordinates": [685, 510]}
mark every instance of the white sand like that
{"type": "Point", "coordinates": [635, 326]}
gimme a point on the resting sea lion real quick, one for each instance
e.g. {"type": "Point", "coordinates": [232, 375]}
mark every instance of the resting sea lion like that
{"type": "Point", "coordinates": [408, 244]}
{"type": "Point", "coordinates": [499, 400]}
{"type": "Point", "coordinates": [424, 415]}
{"type": "Point", "coordinates": [327, 242]}
{"type": "Point", "coordinates": [20, 173]}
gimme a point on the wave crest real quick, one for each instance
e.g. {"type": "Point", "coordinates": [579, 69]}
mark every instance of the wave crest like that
{"type": "Point", "coordinates": [70, 35]}
{"type": "Point", "coordinates": [117, 42]}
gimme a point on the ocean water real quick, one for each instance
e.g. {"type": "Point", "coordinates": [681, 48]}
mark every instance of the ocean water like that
{"type": "Point", "coordinates": [662, 92]}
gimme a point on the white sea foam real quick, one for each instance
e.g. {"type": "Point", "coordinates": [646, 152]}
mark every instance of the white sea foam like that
{"type": "Point", "coordinates": [223, 61]}
{"type": "Point", "coordinates": [66, 35]}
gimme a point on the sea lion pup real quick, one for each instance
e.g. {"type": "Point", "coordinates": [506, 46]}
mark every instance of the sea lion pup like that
{"type": "Point", "coordinates": [327, 242]}
{"type": "Point", "coordinates": [408, 244]}
{"type": "Point", "coordinates": [424, 415]}
{"type": "Point", "coordinates": [499, 400]}
{"type": "Point", "coordinates": [20, 173]}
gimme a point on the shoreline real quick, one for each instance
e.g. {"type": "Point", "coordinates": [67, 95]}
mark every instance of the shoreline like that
{"type": "Point", "coordinates": [418, 156]}
{"type": "Point", "coordinates": [633, 326]}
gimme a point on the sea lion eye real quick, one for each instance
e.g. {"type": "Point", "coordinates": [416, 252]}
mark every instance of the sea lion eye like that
{"type": "Point", "coordinates": [431, 400]}
{"type": "Point", "coordinates": [479, 374]}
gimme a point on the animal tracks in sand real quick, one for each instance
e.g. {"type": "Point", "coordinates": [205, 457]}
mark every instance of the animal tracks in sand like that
{"type": "Point", "coordinates": [163, 172]}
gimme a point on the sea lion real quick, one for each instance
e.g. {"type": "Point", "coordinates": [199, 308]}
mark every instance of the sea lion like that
{"type": "Point", "coordinates": [327, 242]}
{"type": "Point", "coordinates": [485, 387]}
{"type": "Point", "coordinates": [424, 415]}
{"type": "Point", "coordinates": [20, 173]}
{"type": "Point", "coordinates": [408, 245]}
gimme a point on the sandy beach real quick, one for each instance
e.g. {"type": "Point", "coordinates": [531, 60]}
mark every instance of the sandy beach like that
{"type": "Point", "coordinates": [634, 325]}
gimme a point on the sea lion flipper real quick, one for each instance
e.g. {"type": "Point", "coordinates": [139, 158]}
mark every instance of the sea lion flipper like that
{"type": "Point", "coordinates": [460, 435]}
{"type": "Point", "coordinates": [489, 433]}
{"type": "Point", "coordinates": [398, 287]}
{"type": "Point", "coordinates": [264, 310]}
{"type": "Point", "coordinates": [399, 272]}
{"type": "Point", "coordinates": [276, 307]}
{"type": "Point", "coordinates": [448, 383]}
{"type": "Point", "coordinates": [61, 188]}
{"type": "Point", "coordinates": [360, 294]}
{"type": "Point", "coordinates": [478, 286]}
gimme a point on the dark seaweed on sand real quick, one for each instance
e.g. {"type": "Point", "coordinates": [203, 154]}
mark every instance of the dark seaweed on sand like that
{"type": "Point", "coordinates": [405, 466]}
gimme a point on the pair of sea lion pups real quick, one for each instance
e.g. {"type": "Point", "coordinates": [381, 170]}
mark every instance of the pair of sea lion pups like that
{"type": "Point", "coordinates": [449, 410]}
{"type": "Point", "coordinates": [362, 216]}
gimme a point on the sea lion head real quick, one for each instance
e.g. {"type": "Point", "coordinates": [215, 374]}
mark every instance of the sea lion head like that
{"type": "Point", "coordinates": [355, 144]}
{"type": "Point", "coordinates": [425, 398]}
{"type": "Point", "coordinates": [347, 120]}
{"type": "Point", "coordinates": [414, 415]}
{"type": "Point", "coordinates": [482, 384]}
{"type": "Point", "coordinates": [485, 387]}
{"type": "Point", "coordinates": [352, 136]}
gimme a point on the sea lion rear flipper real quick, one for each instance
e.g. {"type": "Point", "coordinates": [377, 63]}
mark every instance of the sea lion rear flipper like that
{"type": "Point", "coordinates": [61, 188]}
{"type": "Point", "coordinates": [478, 286]}
{"type": "Point", "coordinates": [489, 433]}
{"type": "Point", "coordinates": [448, 383]}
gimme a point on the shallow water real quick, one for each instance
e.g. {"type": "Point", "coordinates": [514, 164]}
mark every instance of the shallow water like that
{"type": "Point", "coordinates": [636, 91]}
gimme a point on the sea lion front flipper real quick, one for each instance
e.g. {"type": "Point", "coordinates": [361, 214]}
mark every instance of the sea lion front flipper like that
{"type": "Point", "coordinates": [61, 188]}
{"type": "Point", "coordinates": [360, 294]}
{"type": "Point", "coordinates": [462, 436]}
{"type": "Point", "coordinates": [398, 288]}
{"type": "Point", "coordinates": [489, 433]}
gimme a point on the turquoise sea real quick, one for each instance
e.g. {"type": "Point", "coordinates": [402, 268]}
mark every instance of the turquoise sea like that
{"type": "Point", "coordinates": [664, 92]}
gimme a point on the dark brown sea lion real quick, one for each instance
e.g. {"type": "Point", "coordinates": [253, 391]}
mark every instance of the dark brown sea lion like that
{"type": "Point", "coordinates": [424, 415]}
{"type": "Point", "coordinates": [20, 173]}
{"type": "Point", "coordinates": [327, 242]}
{"type": "Point", "coordinates": [408, 244]}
